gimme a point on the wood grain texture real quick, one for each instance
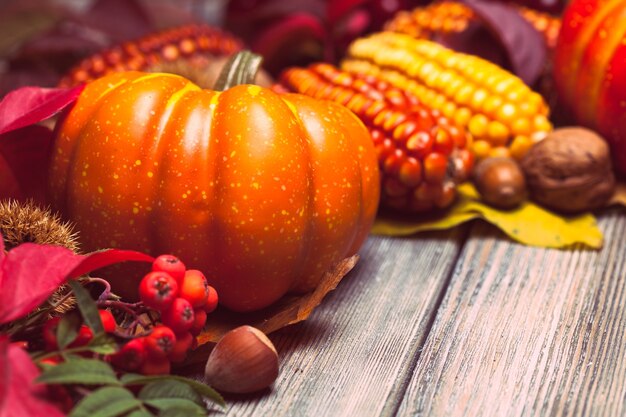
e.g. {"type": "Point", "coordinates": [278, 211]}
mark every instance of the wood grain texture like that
{"type": "Point", "coordinates": [356, 352]}
{"type": "Point", "coordinates": [528, 332]}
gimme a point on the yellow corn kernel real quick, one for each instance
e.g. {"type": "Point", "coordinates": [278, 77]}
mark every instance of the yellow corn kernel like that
{"type": "Point", "coordinates": [464, 94]}
{"type": "Point", "coordinates": [541, 123]}
{"type": "Point", "coordinates": [507, 113]}
{"type": "Point", "coordinates": [521, 126]}
{"type": "Point", "coordinates": [500, 152]}
{"type": "Point", "coordinates": [449, 110]}
{"type": "Point", "coordinates": [478, 98]}
{"type": "Point", "coordinates": [497, 133]}
{"type": "Point", "coordinates": [491, 105]}
{"type": "Point", "coordinates": [478, 125]}
{"type": "Point", "coordinates": [462, 116]}
{"type": "Point", "coordinates": [520, 146]}
{"type": "Point", "coordinates": [481, 149]}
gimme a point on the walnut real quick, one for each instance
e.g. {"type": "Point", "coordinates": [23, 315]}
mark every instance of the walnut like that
{"type": "Point", "coordinates": [570, 171]}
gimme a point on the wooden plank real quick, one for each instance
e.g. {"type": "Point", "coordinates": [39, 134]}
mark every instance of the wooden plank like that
{"type": "Point", "coordinates": [528, 332]}
{"type": "Point", "coordinates": [355, 353]}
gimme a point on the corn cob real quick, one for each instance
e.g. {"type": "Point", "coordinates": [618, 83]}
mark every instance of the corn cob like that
{"type": "Point", "coordinates": [453, 17]}
{"type": "Point", "coordinates": [421, 154]}
{"type": "Point", "coordinates": [185, 42]}
{"type": "Point", "coordinates": [504, 116]}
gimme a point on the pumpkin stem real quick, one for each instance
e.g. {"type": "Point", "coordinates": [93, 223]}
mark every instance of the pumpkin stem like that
{"type": "Point", "coordinates": [241, 68]}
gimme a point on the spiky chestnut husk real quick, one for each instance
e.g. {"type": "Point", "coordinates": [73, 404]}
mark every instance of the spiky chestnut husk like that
{"type": "Point", "coordinates": [26, 222]}
{"type": "Point", "coordinates": [194, 45]}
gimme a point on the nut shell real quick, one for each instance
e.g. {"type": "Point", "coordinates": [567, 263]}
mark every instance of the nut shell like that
{"type": "Point", "coordinates": [570, 171]}
{"type": "Point", "coordinates": [243, 361]}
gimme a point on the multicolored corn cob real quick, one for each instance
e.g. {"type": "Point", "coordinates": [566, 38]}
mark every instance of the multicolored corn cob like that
{"type": "Point", "coordinates": [503, 114]}
{"type": "Point", "coordinates": [454, 17]}
{"type": "Point", "coordinates": [422, 156]}
{"type": "Point", "coordinates": [185, 42]}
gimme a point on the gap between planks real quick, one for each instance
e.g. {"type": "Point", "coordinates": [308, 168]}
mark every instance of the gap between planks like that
{"type": "Point", "coordinates": [528, 332]}
{"type": "Point", "coordinates": [355, 354]}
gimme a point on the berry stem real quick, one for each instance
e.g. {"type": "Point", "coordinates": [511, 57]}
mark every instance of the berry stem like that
{"type": "Point", "coordinates": [106, 293]}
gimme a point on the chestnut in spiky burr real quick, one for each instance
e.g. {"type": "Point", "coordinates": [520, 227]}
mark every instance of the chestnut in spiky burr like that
{"type": "Point", "coordinates": [27, 222]}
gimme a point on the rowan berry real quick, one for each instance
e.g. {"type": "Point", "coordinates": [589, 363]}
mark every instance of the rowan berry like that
{"type": "Point", "coordinates": [211, 300]}
{"type": "Point", "coordinates": [131, 356]}
{"type": "Point", "coordinates": [160, 342]}
{"type": "Point", "coordinates": [50, 333]}
{"type": "Point", "coordinates": [182, 346]}
{"type": "Point", "coordinates": [108, 321]}
{"type": "Point", "coordinates": [195, 288]}
{"type": "Point", "coordinates": [158, 290]}
{"type": "Point", "coordinates": [179, 317]}
{"type": "Point", "coordinates": [155, 366]}
{"type": "Point", "coordinates": [83, 337]}
{"type": "Point", "coordinates": [199, 321]}
{"type": "Point", "coordinates": [172, 265]}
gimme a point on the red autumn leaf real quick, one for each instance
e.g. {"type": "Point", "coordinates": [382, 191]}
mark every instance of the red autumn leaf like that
{"type": "Point", "coordinates": [19, 395]}
{"type": "Point", "coordinates": [29, 105]}
{"type": "Point", "coordinates": [100, 259]}
{"type": "Point", "coordinates": [24, 155]}
{"type": "Point", "coordinates": [30, 273]}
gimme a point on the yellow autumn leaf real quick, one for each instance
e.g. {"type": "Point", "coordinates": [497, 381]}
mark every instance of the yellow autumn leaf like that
{"type": "Point", "coordinates": [528, 224]}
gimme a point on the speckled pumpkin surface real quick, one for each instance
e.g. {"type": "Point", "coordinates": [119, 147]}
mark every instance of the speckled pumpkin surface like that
{"type": "Point", "coordinates": [263, 192]}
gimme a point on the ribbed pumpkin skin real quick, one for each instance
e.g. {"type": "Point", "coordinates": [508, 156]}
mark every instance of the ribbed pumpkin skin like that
{"type": "Point", "coordinates": [262, 192]}
{"type": "Point", "coordinates": [590, 69]}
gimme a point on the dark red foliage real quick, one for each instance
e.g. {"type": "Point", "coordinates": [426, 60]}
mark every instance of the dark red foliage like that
{"type": "Point", "coordinates": [24, 146]}
{"type": "Point", "coordinates": [30, 273]}
{"type": "Point", "coordinates": [299, 32]}
{"type": "Point", "coordinates": [19, 395]}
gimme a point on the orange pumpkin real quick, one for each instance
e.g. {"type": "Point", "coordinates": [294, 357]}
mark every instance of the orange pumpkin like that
{"type": "Point", "coordinates": [262, 192]}
{"type": "Point", "coordinates": [590, 69]}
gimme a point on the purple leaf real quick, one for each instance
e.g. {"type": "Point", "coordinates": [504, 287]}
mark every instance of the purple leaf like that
{"type": "Point", "coordinates": [121, 20]}
{"type": "Point", "coordinates": [29, 105]}
{"type": "Point", "coordinates": [279, 43]}
{"type": "Point", "coordinates": [525, 47]}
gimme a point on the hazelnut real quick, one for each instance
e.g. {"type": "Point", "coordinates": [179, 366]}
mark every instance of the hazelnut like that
{"type": "Point", "coordinates": [500, 182]}
{"type": "Point", "coordinates": [570, 170]}
{"type": "Point", "coordinates": [243, 361]}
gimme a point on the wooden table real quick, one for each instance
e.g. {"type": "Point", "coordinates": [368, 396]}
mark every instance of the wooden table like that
{"type": "Point", "coordinates": [460, 323]}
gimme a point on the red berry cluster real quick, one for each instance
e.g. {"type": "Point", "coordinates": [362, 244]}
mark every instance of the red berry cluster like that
{"type": "Point", "coordinates": [176, 300]}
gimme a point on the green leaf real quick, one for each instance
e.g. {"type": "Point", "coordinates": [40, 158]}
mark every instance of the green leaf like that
{"type": "Point", "coordinates": [88, 307]}
{"type": "Point", "coordinates": [199, 387]}
{"type": "Point", "coordinates": [80, 371]}
{"type": "Point", "coordinates": [190, 407]}
{"type": "Point", "coordinates": [106, 402]}
{"type": "Point", "coordinates": [67, 330]}
{"type": "Point", "coordinates": [169, 389]}
{"type": "Point", "coordinates": [103, 344]}
{"type": "Point", "coordinates": [140, 413]}
{"type": "Point", "coordinates": [528, 224]}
